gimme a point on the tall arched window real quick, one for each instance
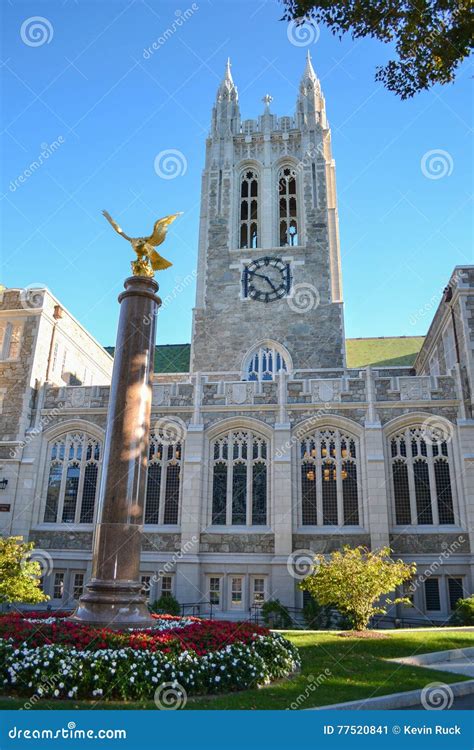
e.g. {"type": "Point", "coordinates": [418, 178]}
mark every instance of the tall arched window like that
{"type": "Point", "coordinates": [288, 220]}
{"type": "Point", "coordinates": [248, 222]}
{"type": "Point", "coordinates": [329, 480]}
{"type": "Point", "coordinates": [239, 479]}
{"type": "Point", "coordinates": [265, 363]}
{"type": "Point", "coordinates": [163, 478]}
{"type": "Point", "coordinates": [421, 478]}
{"type": "Point", "coordinates": [74, 462]}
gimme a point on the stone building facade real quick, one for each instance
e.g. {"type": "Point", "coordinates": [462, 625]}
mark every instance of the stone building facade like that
{"type": "Point", "coordinates": [270, 447]}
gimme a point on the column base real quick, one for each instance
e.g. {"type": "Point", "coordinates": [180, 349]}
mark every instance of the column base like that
{"type": "Point", "coordinates": [113, 604]}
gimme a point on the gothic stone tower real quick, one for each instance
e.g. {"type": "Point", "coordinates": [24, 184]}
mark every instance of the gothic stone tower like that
{"type": "Point", "coordinates": [269, 262]}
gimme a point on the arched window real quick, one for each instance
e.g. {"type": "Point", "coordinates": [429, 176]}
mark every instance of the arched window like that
{"type": "Point", "coordinates": [74, 462]}
{"type": "Point", "coordinates": [239, 479]}
{"type": "Point", "coordinates": [288, 220]}
{"type": "Point", "coordinates": [163, 478]}
{"type": "Point", "coordinates": [248, 222]}
{"type": "Point", "coordinates": [421, 478]}
{"type": "Point", "coordinates": [329, 480]}
{"type": "Point", "coordinates": [265, 363]}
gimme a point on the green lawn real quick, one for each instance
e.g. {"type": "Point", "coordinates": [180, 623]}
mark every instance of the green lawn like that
{"type": "Point", "coordinates": [350, 669]}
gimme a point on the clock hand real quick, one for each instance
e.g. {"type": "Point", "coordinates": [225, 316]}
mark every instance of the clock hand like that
{"type": "Point", "coordinates": [262, 276]}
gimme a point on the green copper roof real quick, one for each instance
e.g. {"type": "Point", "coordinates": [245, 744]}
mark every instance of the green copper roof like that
{"type": "Point", "coordinates": [384, 351]}
{"type": "Point", "coordinates": [168, 357]}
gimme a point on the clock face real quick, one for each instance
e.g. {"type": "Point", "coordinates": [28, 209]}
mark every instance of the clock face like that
{"type": "Point", "coordinates": [266, 279]}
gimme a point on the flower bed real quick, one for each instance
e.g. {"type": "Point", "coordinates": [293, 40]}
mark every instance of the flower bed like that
{"type": "Point", "coordinates": [52, 657]}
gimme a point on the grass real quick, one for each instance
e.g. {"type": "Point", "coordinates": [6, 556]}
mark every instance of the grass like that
{"type": "Point", "coordinates": [349, 669]}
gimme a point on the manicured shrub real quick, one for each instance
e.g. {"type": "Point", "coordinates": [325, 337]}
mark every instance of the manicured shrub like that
{"type": "Point", "coordinates": [166, 605]}
{"type": "Point", "coordinates": [276, 615]}
{"type": "Point", "coordinates": [464, 612]}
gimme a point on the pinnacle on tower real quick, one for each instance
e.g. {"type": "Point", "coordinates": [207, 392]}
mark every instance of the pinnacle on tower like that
{"type": "Point", "coordinates": [226, 114]}
{"type": "Point", "coordinates": [309, 70]}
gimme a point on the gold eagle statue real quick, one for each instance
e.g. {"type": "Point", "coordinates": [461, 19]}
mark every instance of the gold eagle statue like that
{"type": "Point", "coordinates": [148, 260]}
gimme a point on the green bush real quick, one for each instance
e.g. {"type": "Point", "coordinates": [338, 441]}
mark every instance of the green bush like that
{"type": "Point", "coordinates": [276, 615]}
{"type": "Point", "coordinates": [166, 605]}
{"type": "Point", "coordinates": [317, 616]}
{"type": "Point", "coordinates": [464, 612]}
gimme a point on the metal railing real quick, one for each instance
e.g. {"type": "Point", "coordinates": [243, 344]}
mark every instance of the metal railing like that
{"type": "Point", "coordinates": [196, 609]}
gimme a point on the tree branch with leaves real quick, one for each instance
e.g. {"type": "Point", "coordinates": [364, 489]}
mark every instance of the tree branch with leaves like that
{"type": "Point", "coordinates": [19, 575]}
{"type": "Point", "coordinates": [357, 582]}
{"type": "Point", "coordinates": [431, 37]}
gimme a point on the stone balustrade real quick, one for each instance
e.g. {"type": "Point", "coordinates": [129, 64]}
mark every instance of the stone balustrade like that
{"type": "Point", "coordinates": [320, 388]}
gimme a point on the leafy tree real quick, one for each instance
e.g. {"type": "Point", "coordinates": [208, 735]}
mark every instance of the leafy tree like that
{"type": "Point", "coordinates": [19, 575]}
{"type": "Point", "coordinates": [463, 612]}
{"type": "Point", "coordinates": [354, 580]}
{"type": "Point", "coordinates": [431, 37]}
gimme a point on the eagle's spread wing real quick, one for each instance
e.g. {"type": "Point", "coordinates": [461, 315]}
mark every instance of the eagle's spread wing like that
{"type": "Point", "coordinates": [116, 226]}
{"type": "Point", "coordinates": [158, 263]}
{"type": "Point", "coordinates": [160, 229]}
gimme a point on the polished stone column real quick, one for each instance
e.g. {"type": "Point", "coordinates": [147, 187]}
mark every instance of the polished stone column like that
{"type": "Point", "coordinates": [112, 596]}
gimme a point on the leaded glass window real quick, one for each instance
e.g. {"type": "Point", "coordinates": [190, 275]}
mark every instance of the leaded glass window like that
{"type": "Point", "coordinates": [163, 481]}
{"type": "Point", "coordinates": [248, 216]}
{"type": "Point", "coordinates": [288, 220]}
{"type": "Point", "coordinates": [74, 465]}
{"type": "Point", "coordinates": [239, 479]}
{"type": "Point", "coordinates": [265, 363]}
{"type": "Point", "coordinates": [329, 480]}
{"type": "Point", "coordinates": [421, 478]}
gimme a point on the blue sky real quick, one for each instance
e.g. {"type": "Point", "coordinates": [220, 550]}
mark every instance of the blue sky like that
{"type": "Point", "coordinates": [111, 110]}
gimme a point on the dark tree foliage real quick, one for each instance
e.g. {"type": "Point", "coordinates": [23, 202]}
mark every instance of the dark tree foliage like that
{"type": "Point", "coordinates": [431, 38]}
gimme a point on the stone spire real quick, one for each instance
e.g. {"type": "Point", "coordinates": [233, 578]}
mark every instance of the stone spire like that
{"type": "Point", "coordinates": [310, 105]}
{"type": "Point", "coordinates": [226, 112]}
